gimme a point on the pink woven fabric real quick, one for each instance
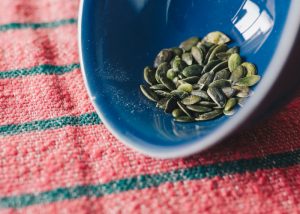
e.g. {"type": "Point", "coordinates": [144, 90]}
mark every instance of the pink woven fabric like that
{"type": "Point", "coordinates": [57, 157]}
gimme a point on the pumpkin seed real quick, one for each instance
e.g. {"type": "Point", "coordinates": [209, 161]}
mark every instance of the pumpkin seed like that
{"type": "Point", "coordinates": [202, 47]}
{"type": "Point", "coordinates": [162, 103]}
{"type": "Point", "coordinates": [171, 74]}
{"type": "Point", "coordinates": [190, 100]}
{"type": "Point", "coordinates": [229, 113]}
{"type": "Point", "coordinates": [223, 74]}
{"type": "Point", "coordinates": [218, 49]}
{"type": "Point", "coordinates": [228, 91]}
{"type": "Point", "coordinates": [178, 64]}
{"type": "Point", "coordinates": [234, 61]}
{"type": "Point", "coordinates": [219, 67]}
{"type": "Point", "coordinates": [199, 108]}
{"type": "Point", "coordinates": [171, 104]}
{"type": "Point", "coordinates": [223, 56]}
{"type": "Point", "coordinates": [158, 87]}
{"type": "Point", "coordinates": [217, 96]}
{"type": "Point", "coordinates": [220, 83]}
{"type": "Point", "coordinates": [187, 58]}
{"type": "Point", "coordinates": [211, 49]}
{"type": "Point", "coordinates": [184, 109]}
{"type": "Point", "coordinates": [163, 93]}
{"type": "Point", "coordinates": [186, 87]}
{"type": "Point", "coordinates": [161, 71]}
{"type": "Point", "coordinates": [177, 112]}
{"type": "Point", "coordinates": [216, 37]}
{"type": "Point", "coordinates": [191, 80]}
{"type": "Point", "coordinates": [149, 93]}
{"type": "Point", "coordinates": [237, 74]}
{"type": "Point", "coordinates": [198, 55]}
{"type": "Point", "coordinates": [149, 76]}
{"type": "Point", "coordinates": [248, 81]}
{"type": "Point", "coordinates": [189, 43]}
{"type": "Point", "coordinates": [205, 80]}
{"type": "Point", "coordinates": [192, 70]}
{"type": "Point", "coordinates": [164, 55]}
{"type": "Point", "coordinates": [184, 119]}
{"type": "Point", "coordinates": [209, 115]}
{"type": "Point", "coordinates": [207, 103]}
{"type": "Point", "coordinates": [200, 93]}
{"type": "Point", "coordinates": [233, 50]}
{"type": "Point", "coordinates": [251, 69]}
{"type": "Point", "coordinates": [168, 83]}
{"type": "Point", "coordinates": [177, 51]}
{"type": "Point", "coordinates": [210, 65]}
{"type": "Point", "coordinates": [230, 104]}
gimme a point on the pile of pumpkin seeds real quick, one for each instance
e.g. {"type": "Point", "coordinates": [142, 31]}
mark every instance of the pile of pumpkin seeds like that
{"type": "Point", "coordinates": [199, 80]}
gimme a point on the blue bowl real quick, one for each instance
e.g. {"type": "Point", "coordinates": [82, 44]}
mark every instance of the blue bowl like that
{"type": "Point", "coordinates": [118, 38]}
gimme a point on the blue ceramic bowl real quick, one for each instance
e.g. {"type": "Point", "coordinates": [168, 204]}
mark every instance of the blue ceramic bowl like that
{"type": "Point", "coordinates": [118, 38]}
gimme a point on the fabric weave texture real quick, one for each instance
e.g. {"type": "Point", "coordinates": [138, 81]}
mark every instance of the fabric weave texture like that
{"type": "Point", "coordinates": [57, 157]}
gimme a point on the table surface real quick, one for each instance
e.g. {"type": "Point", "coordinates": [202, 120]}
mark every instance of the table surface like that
{"type": "Point", "coordinates": [57, 156]}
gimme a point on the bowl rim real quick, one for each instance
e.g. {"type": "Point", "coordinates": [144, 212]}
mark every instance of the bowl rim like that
{"type": "Point", "coordinates": [285, 44]}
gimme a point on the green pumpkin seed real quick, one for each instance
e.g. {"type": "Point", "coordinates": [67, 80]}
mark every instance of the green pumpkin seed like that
{"type": "Point", "coordinates": [163, 93]}
{"type": "Point", "coordinates": [192, 70]}
{"type": "Point", "coordinates": [205, 80]}
{"type": "Point", "coordinates": [158, 87]}
{"type": "Point", "coordinates": [161, 71]}
{"type": "Point", "coordinates": [187, 58]}
{"type": "Point", "coordinates": [230, 104]}
{"type": "Point", "coordinates": [199, 108]}
{"type": "Point", "coordinates": [237, 74]}
{"type": "Point", "coordinates": [224, 56]}
{"type": "Point", "coordinates": [191, 80]}
{"type": "Point", "coordinates": [164, 55]}
{"type": "Point", "coordinates": [198, 55]}
{"type": "Point", "coordinates": [177, 51]}
{"type": "Point", "coordinates": [200, 93]}
{"type": "Point", "coordinates": [248, 81]}
{"type": "Point", "coordinates": [203, 48]}
{"type": "Point", "coordinates": [223, 74]}
{"type": "Point", "coordinates": [209, 66]}
{"type": "Point", "coordinates": [184, 119]}
{"type": "Point", "coordinates": [149, 76]}
{"type": "Point", "coordinates": [178, 64]}
{"type": "Point", "coordinates": [168, 83]}
{"type": "Point", "coordinates": [229, 113]}
{"type": "Point", "coordinates": [208, 45]}
{"type": "Point", "coordinates": [211, 49]}
{"type": "Point", "coordinates": [179, 94]}
{"type": "Point", "coordinates": [177, 112]}
{"type": "Point", "coordinates": [228, 91]}
{"type": "Point", "coordinates": [233, 50]}
{"type": "Point", "coordinates": [209, 115]}
{"type": "Point", "coordinates": [189, 43]}
{"type": "Point", "coordinates": [251, 69]}
{"type": "Point", "coordinates": [219, 67]}
{"type": "Point", "coordinates": [171, 105]}
{"type": "Point", "coordinates": [151, 95]}
{"type": "Point", "coordinates": [217, 96]}
{"type": "Point", "coordinates": [222, 83]}
{"type": "Point", "coordinates": [162, 103]}
{"type": "Point", "coordinates": [181, 76]}
{"type": "Point", "coordinates": [184, 109]}
{"type": "Point", "coordinates": [207, 103]}
{"type": "Point", "coordinates": [218, 49]}
{"type": "Point", "coordinates": [186, 87]}
{"type": "Point", "coordinates": [234, 61]}
{"type": "Point", "coordinates": [171, 74]}
{"type": "Point", "coordinates": [190, 100]}
{"type": "Point", "coordinates": [216, 37]}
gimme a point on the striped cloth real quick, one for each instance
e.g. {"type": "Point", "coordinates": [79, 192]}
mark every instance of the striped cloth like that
{"type": "Point", "coordinates": [57, 157]}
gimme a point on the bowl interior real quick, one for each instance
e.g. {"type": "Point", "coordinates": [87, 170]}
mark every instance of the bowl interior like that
{"type": "Point", "coordinates": [120, 37]}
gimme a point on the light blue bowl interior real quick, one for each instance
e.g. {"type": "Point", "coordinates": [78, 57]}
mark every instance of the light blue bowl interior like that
{"type": "Point", "coordinates": [120, 37]}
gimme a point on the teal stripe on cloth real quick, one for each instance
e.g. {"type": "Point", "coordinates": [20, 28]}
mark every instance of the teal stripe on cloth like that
{"type": "Point", "coordinates": [54, 24]}
{"type": "Point", "coordinates": [55, 123]}
{"type": "Point", "coordinates": [40, 69]}
{"type": "Point", "coordinates": [147, 181]}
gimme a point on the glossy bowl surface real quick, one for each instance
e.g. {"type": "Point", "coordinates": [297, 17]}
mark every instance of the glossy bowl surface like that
{"type": "Point", "coordinates": [118, 38]}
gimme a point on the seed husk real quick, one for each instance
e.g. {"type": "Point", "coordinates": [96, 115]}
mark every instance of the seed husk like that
{"type": "Point", "coordinates": [218, 49]}
{"type": "Point", "coordinates": [178, 64]}
{"type": "Point", "coordinates": [234, 61]}
{"type": "Point", "coordinates": [233, 50]}
{"type": "Point", "coordinates": [192, 70]}
{"type": "Point", "coordinates": [171, 74]}
{"type": "Point", "coordinates": [168, 83]}
{"type": "Point", "coordinates": [223, 74]}
{"type": "Point", "coordinates": [190, 100]}
{"type": "Point", "coordinates": [237, 74]}
{"type": "Point", "coordinates": [186, 87]}
{"type": "Point", "coordinates": [209, 66]}
{"type": "Point", "coordinates": [164, 55]}
{"type": "Point", "coordinates": [171, 104]}
{"type": "Point", "coordinates": [161, 71]}
{"type": "Point", "coordinates": [191, 80]}
{"type": "Point", "coordinates": [228, 91]}
{"type": "Point", "coordinates": [205, 80]}
{"type": "Point", "coordinates": [250, 67]}
{"type": "Point", "coordinates": [187, 58]}
{"type": "Point", "coordinates": [222, 83]}
{"type": "Point", "coordinates": [189, 43]}
{"type": "Point", "coordinates": [149, 76]}
{"type": "Point", "coordinates": [177, 112]}
{"type": "Point", "coordinates": [184, 109]}
{"type": "Point", "coordinates": [163, 93]}
{"type": "Point", "coordinates": [151, 95]}
{"type": "Point", "coordinates": [217, 96]}
{"type": "Point", "coordinates": [199, 108]}
{"type": "Point", "coordinates": [230, 104]}
{"type": "Point", "coordinates": [200, 93]}
{"type": "Point", "coordinates": [210, 115]}
{"type": "Point", "coordinates": [158, 87]}
{"type": "Point", "coordinates": [198, 55]}
{"type": "Point", "coordinates": [184, 119]}
{"type": "Point", "coordinates": [216, 37]}
{"type": "Point", "coordinates": [248, 81]}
